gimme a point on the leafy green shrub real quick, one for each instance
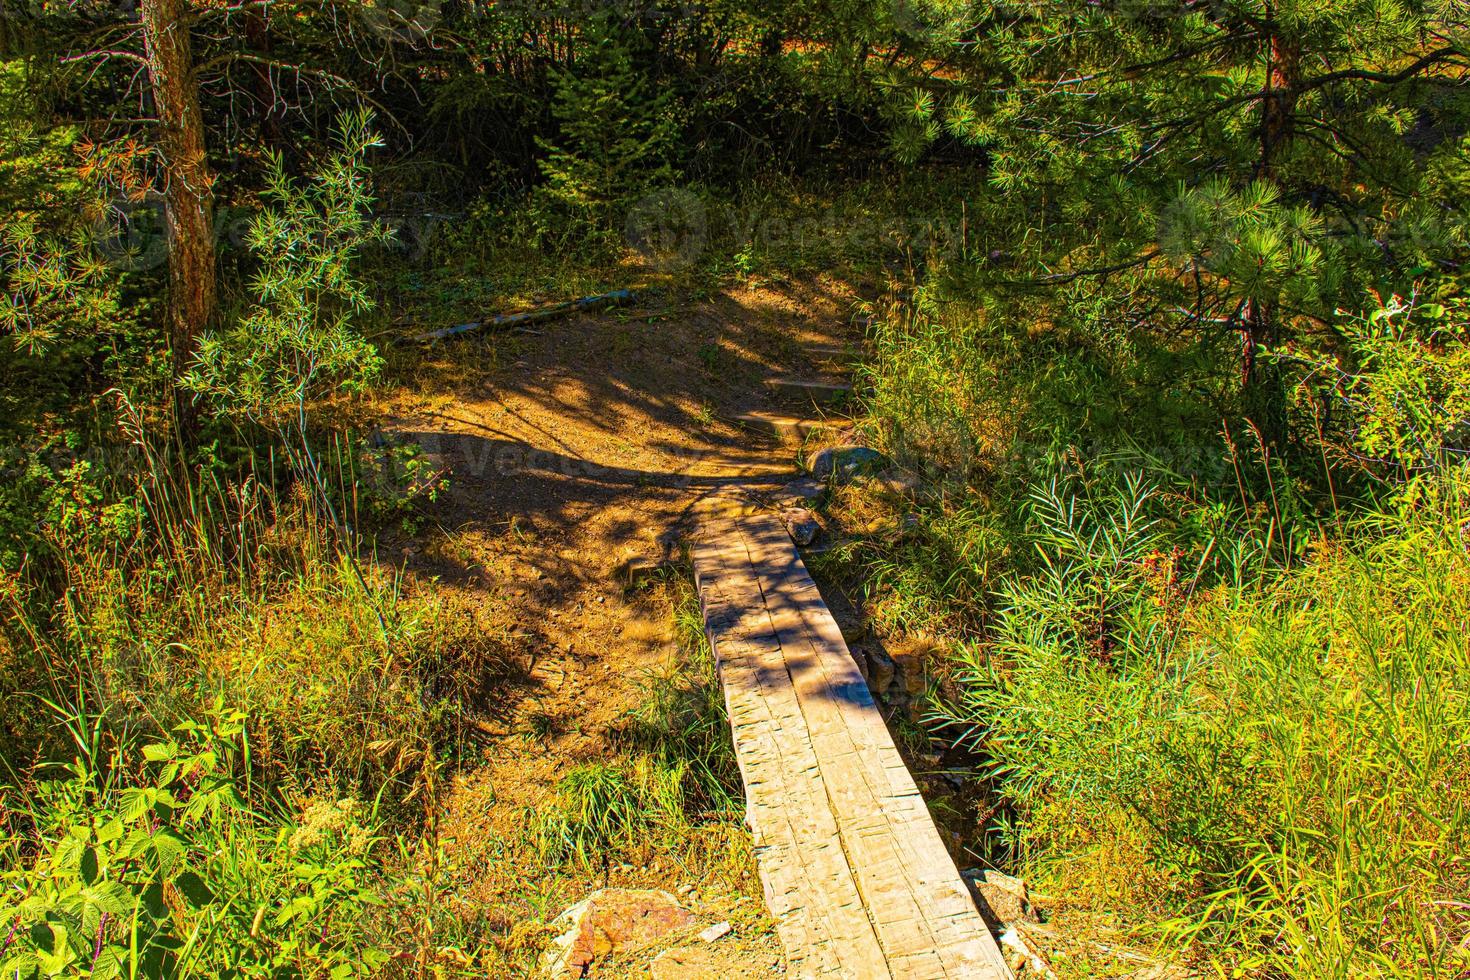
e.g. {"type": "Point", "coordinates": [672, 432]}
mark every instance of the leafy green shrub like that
{"type": "Point", "coordinates": [299, 340]}
{"type": "Point", "coordinates": [154, 862]}
{"type": "Point", "coordinates": [300, 343]}
{"type": "Point", "coordinates": [1404, 390]}
{"type": "Point", "coordinates": [1276, 764]}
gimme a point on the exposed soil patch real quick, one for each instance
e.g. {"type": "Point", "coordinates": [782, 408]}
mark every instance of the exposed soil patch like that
{"type": "Point", "coordinates": [573, 453]}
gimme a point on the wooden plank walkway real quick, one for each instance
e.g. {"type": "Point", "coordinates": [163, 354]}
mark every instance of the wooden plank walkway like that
{"type": "Point", "coordinates": [855, 874]}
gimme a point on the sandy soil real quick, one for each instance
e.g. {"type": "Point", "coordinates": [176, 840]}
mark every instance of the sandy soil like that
{"type": "Point", "coordinates": [573, 453]}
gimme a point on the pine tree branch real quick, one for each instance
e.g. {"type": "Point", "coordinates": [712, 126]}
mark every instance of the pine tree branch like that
{"type": "Point", "coordinates": [1065, 277]}
{"type": "Point", "coordinates": [107, 54]}
{"type": "Point", "coordinates": [1441, 56]}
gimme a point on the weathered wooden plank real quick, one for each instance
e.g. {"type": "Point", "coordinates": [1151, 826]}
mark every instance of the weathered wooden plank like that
{"type": "Point", "coordinates": [783, 428]}
{"type": "Point", "coordinates": [922, 910]}
{"type": "Point", "coordinates": [808, 882]}
{"type": "Point", "coordinates": [819, 392]}
{"type": "Point", "coordinates": [855, 872]}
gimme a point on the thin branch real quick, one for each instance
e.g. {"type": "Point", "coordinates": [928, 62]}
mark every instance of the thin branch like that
{"type": "Point", "coordinates": [1064, 277]}
{"type": "Point", "coordinates": [106, 53]}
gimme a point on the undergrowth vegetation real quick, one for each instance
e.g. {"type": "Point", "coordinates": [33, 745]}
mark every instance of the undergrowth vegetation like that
{"type": "Point", "coordinates": [674, 783]}
{"type": "Point", "coordinates": [1273, 764]}
{"type": "Point", "coordinates": [1217, 682]}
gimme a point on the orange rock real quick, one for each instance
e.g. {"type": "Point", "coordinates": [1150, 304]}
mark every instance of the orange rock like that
{"type": "Point", "coordinates": [610, 920]}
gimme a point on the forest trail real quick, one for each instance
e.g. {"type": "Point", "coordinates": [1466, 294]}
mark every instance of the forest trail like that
{"type": "Point", "coordinates": [589, 448]}
{"type": "Point", "coordinates": [574, 453]}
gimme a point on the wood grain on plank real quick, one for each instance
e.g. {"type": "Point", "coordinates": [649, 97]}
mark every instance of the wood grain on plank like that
{"type": "Point", "coordinates": [924, 915]}
{"type": "Point", "coordinates": [854, 871]}
{"type": "Point", "coordinates": [808, 882]}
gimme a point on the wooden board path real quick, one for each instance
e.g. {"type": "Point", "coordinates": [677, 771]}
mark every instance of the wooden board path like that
{"type": "Point", "coordinates": [854, 872]}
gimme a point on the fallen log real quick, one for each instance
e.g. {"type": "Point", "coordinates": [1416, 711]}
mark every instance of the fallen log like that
{"type": "Point", "coordinates": [618, 297]}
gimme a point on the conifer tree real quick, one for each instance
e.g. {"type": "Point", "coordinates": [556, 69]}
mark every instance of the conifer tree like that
{"type": "Point", "coordinates": [1240, 167]}
{"type": "Point", "coordinates": [616, 131]}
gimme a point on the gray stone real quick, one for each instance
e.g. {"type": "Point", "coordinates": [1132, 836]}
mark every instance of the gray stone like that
{"type": "Point", "coordinates": [881, 671]}
{"type": "Point", "coordinates": [846, 462]}
{"type": "Point", "coordinates": [802, 525]}
{"type": "Point", "coordinates": [1004, 897]}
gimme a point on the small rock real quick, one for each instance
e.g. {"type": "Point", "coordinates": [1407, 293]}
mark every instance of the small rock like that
{"type": "Point", "coordinates": [716, 931]}
{"type": "Point", "coordinates": [912, 655]}
{"type": "Point", "coordinates": [799, 493]}
{"type": "Point", "coordinates": [608, 920]}
{"type": "Point", "coordinates": [1019, 955]}
{"type": "Point", "coordinates": [845, 462]}
{"type": "Point", "coordinates": [802, 525]}
{"type": "Point", "coordinates": [881, 671]}
{"type": "Point", "coordinates": [915, 679]}
{"type": "Point", "coordinates": [1003, 897]}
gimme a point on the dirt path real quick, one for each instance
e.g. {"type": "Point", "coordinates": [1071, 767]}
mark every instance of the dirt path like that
{"type": "Point", "coordinates": [582, 450]}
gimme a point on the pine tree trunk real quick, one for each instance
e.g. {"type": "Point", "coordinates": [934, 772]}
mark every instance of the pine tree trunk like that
{"type": "Point", "coordinates": [1261, 385]}
{"type": "Point", "coordinates": [1279, 106]}
{"type": "Point", "coordinates": [188, 191]}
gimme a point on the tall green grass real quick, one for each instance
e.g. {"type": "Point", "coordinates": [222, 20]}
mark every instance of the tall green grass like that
{"type": "Point", "coordinates": [216, 721]}
{"type": "Point", "coordinates": [1271, 766]}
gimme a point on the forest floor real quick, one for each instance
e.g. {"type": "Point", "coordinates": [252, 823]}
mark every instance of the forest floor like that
{"type": "Point", "coordinates": [574, 453]}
